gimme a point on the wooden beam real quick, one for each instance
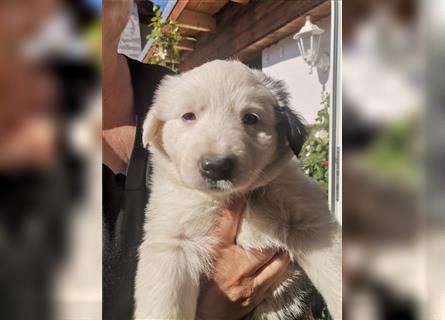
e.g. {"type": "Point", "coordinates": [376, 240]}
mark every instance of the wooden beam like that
{"type": "Point", "coordinates": [172, 61]}
{"type": "Point", "coordinates": [316, 14]}
{"type": "Point", "coordinates": [196, 21]}
{"type": "Point", "coordinates": [186, 45]}
{"type": "Point", "coordinates": [177, 10]}
{"type": "Point", "coordinates": [184, 48]}
{"type": "Point", "coordinates": [210, 7]}
{"type": "Point", "coordinates": [243, 2]}
{"type": "Point", "coordinates": [148, 56]}
{"type": "Point", "coordinates": [193, 39]}
{"type": "Point", "coordinates": [243, 31]}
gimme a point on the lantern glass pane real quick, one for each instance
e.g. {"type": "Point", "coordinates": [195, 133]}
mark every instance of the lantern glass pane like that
{"type": "Point", "coordinates": [307, 50]}
{"type": "Point", "coordinates": [300, 48]}
{"type": "Point", "coordinates": [315, 45]}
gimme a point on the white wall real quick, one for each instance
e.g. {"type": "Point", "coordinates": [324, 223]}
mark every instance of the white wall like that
{"type": "Point", "coordinates": [283, 61]}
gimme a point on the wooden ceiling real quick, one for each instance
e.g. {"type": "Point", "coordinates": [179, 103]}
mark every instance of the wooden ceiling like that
{"type": "Point", "coordinates": [219, 29]}
{"type": "Point", "coordinates": [195, 16]}
{"type": "Point", "coordinates": [206, 6]}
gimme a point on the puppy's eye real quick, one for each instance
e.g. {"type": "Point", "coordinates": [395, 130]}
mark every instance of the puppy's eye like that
{"type": "Point", "coordinates": [189, 116]}
{"type": "Point", "coordinates": [250, 118]}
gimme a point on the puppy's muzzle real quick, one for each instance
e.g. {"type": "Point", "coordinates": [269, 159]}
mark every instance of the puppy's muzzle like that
{"type": "Point", "coordinates": [216, 168]}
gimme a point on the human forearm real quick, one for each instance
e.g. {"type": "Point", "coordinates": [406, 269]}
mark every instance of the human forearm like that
{"type": "Point", "coordinates": [117, 92]}
{"type": "Point", "coordinates": [116, 82]}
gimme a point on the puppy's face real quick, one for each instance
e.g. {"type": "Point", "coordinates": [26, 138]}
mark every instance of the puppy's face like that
{"type": "Point", "coordinates": [217, 125]}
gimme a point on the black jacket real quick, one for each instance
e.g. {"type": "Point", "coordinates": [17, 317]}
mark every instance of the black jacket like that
{"type": "Point", "coordinates": [124, 202]}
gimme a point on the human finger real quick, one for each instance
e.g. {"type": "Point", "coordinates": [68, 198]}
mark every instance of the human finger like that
{"type": "Point", "coordinates": [256, 259]}
{"type": "Point", "coordinates": [271, 272]}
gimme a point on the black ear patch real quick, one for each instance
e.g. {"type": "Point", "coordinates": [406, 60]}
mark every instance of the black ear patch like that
{"type": "Point", "coordinates": [289, 124]}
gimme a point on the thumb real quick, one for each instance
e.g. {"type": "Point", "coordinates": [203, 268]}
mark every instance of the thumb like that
{"type": "Point", "coordinates": [227, 221]}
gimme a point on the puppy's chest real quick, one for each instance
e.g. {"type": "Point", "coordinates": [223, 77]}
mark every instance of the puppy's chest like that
{"type": "Point", "coordinates": [263, 223]}
{"type": "Point", "coordinates": [262, 226]}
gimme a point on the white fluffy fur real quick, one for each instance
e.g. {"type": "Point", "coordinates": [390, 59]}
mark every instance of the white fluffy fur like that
{"type": "Point", "coordinates": [285, 209]}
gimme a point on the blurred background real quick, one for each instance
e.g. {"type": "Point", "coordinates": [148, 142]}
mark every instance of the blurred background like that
{"type": "Point", "coordinates": [393, 159]}
{"type": "Point", "coordinates": [50, 122]}
{"type": "Point", "coordinates": [393, 70]}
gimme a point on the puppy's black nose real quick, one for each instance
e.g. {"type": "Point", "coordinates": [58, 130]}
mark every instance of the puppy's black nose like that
{"type": "Point", "coordinates": [216, 168]}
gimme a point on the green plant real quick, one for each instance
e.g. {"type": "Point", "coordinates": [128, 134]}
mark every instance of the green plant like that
{"type": "Point", "coordinates": [396, 154]}
{"type": "Point", "coordinates": [314, 161]}
{"type": "Point", "coordinates": [166, 36]}
{"type": "Point", "coordinates": [315, 151]}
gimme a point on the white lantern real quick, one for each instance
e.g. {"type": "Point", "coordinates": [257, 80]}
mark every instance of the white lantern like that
{"type": "Point", "coordinates": [308, 40]}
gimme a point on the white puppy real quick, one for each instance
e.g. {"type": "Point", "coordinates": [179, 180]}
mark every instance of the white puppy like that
{"type": "Point", "coordinates": [217, 131]}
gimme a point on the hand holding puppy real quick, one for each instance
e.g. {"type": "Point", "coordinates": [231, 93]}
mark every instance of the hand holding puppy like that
{"type": "Point", "coordinates": [241, 279]}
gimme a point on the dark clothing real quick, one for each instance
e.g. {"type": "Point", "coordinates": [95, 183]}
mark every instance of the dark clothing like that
{"type": "Point", "coordinates": [124, 202]}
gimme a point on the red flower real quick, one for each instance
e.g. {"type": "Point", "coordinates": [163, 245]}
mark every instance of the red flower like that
{"type": "Point", "coordinates": [325, 163]}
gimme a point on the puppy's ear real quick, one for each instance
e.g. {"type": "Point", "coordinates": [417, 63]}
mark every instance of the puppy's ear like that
{"type": "Point", "coordinates": [289, 123]}
{"type": "Point", "coordinates": [293, 128]}
{"type": "Point", "coordinates": [151, 130]}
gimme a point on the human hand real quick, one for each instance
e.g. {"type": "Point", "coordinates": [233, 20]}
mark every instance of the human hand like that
{"type": "Point", "coordinates": [241, 279]}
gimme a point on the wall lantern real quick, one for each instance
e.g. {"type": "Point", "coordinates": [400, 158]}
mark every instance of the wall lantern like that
{"type": "Point", "coordinates": [308, 40]}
